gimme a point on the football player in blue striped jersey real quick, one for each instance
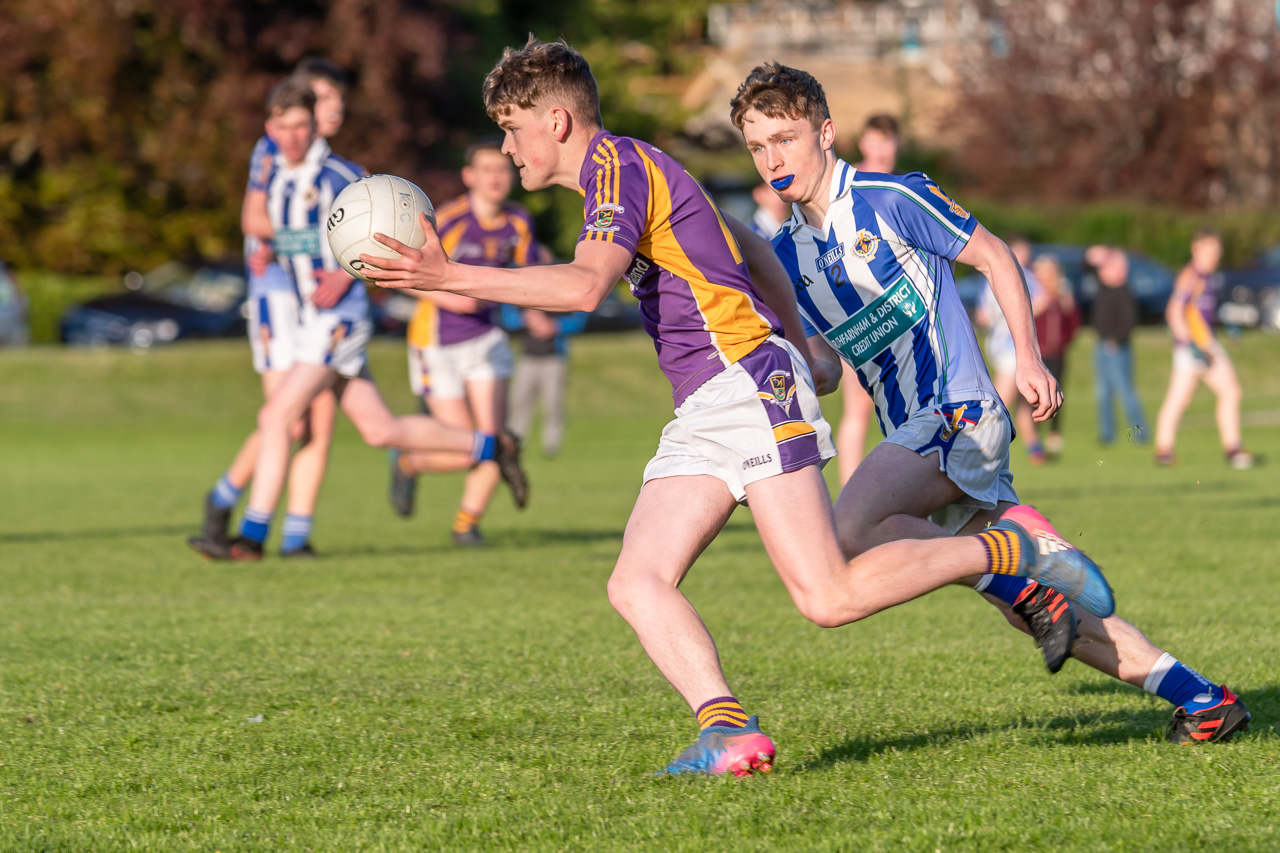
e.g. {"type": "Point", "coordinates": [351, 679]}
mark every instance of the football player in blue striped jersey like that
{"type": "Point", "coordinates": [869, 256]}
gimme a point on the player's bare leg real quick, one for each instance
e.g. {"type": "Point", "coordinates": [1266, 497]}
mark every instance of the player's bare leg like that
{"type": "Point", "coordinates": [379, 427]}
{"type": "Point", "coordinates": [241, 470]}
{"type": "Point", "coordinates": [287, 404]}
{"type": "Point", "coordinates": [1222, 380]}
{"type": "Point", "coordinates": [851, 435]}
{"type": "Point", "coordinates": [1182, 387]}
{"type": "Point", "coordinates": [673, 521]}
{"type": "Point", "coordinates": [307, 470]}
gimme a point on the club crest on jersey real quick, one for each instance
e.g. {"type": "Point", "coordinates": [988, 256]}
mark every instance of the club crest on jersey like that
{"type": "Point", "coordinates": [603, 219]}
{"type": "Point", "coordinates": [781, 390]}
{"type": "Point", "coordinates": [311, 196]}
{"type": "Point", "coordinates": [864, 244]}
{"type": "Point", "coordinates": [955, 208]}
{"type": "Point", "coordinates": [830, 256]}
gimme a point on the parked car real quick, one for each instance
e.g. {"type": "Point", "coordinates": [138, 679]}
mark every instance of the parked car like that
{"type": "Point", "coordinates": [172, 302]}
{"type": "Point", "coordinates": [1151, 281]}
{"type": "Point", "coordinates": [1250, 296]}
{"type": "Point", "coordinates": [14, 330]}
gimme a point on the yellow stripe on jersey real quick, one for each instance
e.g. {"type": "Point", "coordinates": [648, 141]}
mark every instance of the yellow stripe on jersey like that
{"type": "Point", "coordinates": [608, 183]}
{"type": "Point", "coordinates": [451, 210]}
{"type": "Point", "coordinates": [424, 328]}
{"type": "Point", "coordinates": [524, 241]}
{"type": "Point", "coordinates": [724, 228]}
{"type": "Point", "coordinates": [794, 429]}
{"type": "Point", "coordinates": [736, 327]}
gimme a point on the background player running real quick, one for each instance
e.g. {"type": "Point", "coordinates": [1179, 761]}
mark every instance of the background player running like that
{"type": "Point", "coordinates": [874, 284]}
{"type": "Point", "coordinates": [333, 331]}
{"type": "Point", "coordinates": [459, 357]}
{"type": "Point", "coordinates": [274, 306]}
{"type": "Point", "coordinates": [747, 423]}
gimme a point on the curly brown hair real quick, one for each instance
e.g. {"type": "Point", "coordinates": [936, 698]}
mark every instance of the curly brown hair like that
{"type": "Point", "coordinates": [776, 91]}
{"type": "Point", "coordinates": [541, 72]}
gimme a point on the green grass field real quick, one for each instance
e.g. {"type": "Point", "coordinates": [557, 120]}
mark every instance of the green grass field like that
{"type": "Point", "coordinates": [398, 694]}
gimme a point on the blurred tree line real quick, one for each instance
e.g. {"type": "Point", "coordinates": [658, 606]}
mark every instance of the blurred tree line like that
{"type": "Point", "coordinates": [1174, 102]}
{"type": "Point", "coordinates": [126, 125]}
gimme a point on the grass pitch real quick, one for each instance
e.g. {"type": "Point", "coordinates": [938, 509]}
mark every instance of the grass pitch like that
{"type": "Point", "coordinates": [398, 694]}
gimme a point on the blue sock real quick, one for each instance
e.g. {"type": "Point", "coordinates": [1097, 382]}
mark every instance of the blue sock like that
{"type": "Point", "coordinates": [256, 525]}
{"type": "Point", "coordinates": [1181, 685]}
{"type": "Point", "coordinates": [225, 494]}
{"type": "Point", "coordinates": [295, 532]}
{"type": "Point", "coordinates": [485, 448]}
{"type": "Point", "coordinates": [1007, 588]}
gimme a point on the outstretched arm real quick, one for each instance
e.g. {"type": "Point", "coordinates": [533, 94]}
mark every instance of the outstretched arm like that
{"type": "Point", "coordinates": [580, 285]}
{"type": "Point", "coordinates": [990, 256]}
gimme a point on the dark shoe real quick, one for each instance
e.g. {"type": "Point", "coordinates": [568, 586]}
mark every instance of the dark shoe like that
{"type": "Point", "coordinates": [1052, 622]}
{"type": "Point", "coordinates": [1219, 723]}
{"type": "Point", "coordinates": [472, 538]}
{"type": "Point", "coordinates": [217, 520]}
{"type": "Point", "coordinates": [507, 455]}
{"type": "Point", "coordinates": [403, 487]}
{"type": "Point", "coordinates": [239, 549]}
{"type": "Point", "coordinates": [303, 552]}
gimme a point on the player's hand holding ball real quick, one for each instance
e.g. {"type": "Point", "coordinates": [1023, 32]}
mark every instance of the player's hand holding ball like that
{"type": "Point", "coordinates": [377, 226]}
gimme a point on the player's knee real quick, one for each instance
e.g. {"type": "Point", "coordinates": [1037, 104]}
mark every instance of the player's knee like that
{"type": "Point", "coordinates": [826, 613]}
{"type": "Point", "coordinates": [271, 419]}
{"type": "Point", "coordinates": [378, 434]}
{"type": "Point", "coordinates": [300, 432]}
{"type": "Point", "coordinates": [622, 593]}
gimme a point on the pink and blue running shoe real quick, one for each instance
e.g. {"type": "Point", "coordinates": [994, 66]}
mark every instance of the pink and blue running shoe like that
{"type": "Point", "coordinates": [1057, 563]}
{"type": "Point", "coordinates": [724, 749]}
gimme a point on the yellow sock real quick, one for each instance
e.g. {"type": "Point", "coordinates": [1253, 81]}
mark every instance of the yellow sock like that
{"type": "Point", "coordinates": [1004, 551]}
{"type": "Point", "coordinates": [465, 521]}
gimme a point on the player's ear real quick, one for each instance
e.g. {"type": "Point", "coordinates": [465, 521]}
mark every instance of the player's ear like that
{"type": "Point", "coordinates": [561, 123]}
{"type": "Point", "coordinates": [827, 133]}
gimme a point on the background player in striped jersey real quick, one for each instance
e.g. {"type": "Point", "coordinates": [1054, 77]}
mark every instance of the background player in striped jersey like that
{"type": "Point", "coordinates": [874, 283]}
{"type": "Point", "coordinates": [333, 330]}
{"type": "Point", "coordinates": [459, 358]}
{"type": "Point", "coordinates": [747, 423]}
{"type": "Point", "coordinates": [273, 323]}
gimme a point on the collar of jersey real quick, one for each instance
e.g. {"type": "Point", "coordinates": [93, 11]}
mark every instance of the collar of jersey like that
{"type": "Point", "coordinates": [315, 155]}
{"type": "Point", "coordinates": [841, 182]}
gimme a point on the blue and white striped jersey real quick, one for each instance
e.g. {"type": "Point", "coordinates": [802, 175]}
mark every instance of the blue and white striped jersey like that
{"type": "Point", "coordinates": [262, 164]}
{"type": "Point", "coordinates": [875, 280]}
{"type": "Point", "coordinates": [298, 202]}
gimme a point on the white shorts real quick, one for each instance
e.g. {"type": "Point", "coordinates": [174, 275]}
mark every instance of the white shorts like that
{"type": "Point", "coordinates": [758, 418]}
{"type": "Point", "coordinates": [273, 330]}
{"type": "Point", "coordinates": [1003, 360]}
{"type": "Point", "coordinates": [1185, 359]}
{"type": "Point", "coordinates": [333, 342]}
{"type": "Point", "coordinates": [449, 368]}
{"type": "Point", "coordinates": [972, 443]}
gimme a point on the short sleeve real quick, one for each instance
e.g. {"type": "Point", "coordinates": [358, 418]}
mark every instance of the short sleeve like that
{"type": "Point", "coordinates": [261, 164]}
{"type": "Point", "coordinates": [617, 197]}
{"type": "Point", "coordinates": [921, 213]}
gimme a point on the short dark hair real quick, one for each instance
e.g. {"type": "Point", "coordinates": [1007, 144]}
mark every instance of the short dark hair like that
{"type": "Point", "coordinates": [883, 122]}
{"type": "Point", "coordinates": [487, 143]}
{"type": "Point", "coordinates": [539, 72]}
{"type": "Point", "coordinates": [1204, 232]}
{"type": "Point", "coordinates": [289, 93]}
{"type": "Point", "coordinates": [318, 68]}
{"type": "Point", "coordinates": [776, 91]}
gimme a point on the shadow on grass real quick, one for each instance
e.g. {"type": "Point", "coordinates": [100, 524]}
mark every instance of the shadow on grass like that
{"type": "Point", "coordinates": [505, 540]}
{"type": "Point", "coordinates": [18, 536]}
{"type": "Point", "coordinates": [1112, 727]}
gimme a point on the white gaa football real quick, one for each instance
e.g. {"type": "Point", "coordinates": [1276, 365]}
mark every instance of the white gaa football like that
{"type": "Point", "coordinates": [378, 204]}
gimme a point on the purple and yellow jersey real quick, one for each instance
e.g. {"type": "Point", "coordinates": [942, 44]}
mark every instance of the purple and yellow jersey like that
{"type": "Point", "coordinates": [507, 241]}
{"type": "Point", "coordinates": [696, 300]}
{"type": "Point", "coordinates": [875, 280]}
{"type": "Point", "coordinates": [1199, 305]}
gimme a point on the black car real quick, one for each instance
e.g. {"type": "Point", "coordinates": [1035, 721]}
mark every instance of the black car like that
{"type": "Point", "coordinates": [1150, 280]}
{"type": "Point", "coordinates": [1250, 296]}
{"type": "Point", "coordinates": [172, 302]}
